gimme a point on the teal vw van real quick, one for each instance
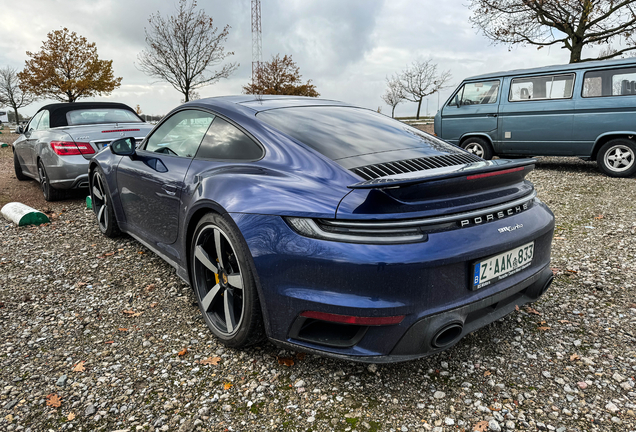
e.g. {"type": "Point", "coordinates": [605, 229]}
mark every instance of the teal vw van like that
{"type": "Point", "coordinates": [587, 110]}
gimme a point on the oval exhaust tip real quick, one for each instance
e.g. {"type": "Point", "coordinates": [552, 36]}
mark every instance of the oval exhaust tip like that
{"type": "Point", "coordinates": [447, 335]}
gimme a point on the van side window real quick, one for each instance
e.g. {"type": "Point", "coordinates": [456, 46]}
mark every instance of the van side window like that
{"type": "Point", "coordinates": [541, 87]}
{"type": "Point", "coordinates": [477, 93]}
{"type": "Point", "coordinates": [613, 82]}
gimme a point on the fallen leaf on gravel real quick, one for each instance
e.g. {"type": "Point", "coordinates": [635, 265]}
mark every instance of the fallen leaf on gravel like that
{"type": "Point", "coordinates": [517, 308]}
{"type": "Point", "coordinates": [70, 416]}
{"type": "Point", "coordinates": [493, 408]}
{"type": "Point", "coordinates": [574, 357]}
{"type": "Point", "coordinates": [543, 328]}
{"type": "Point", "coordinates": [210, 360]}
{"type": "Point", "coordinates": [150, 287]}
{"type": "Point", "coordinates": [53, 400]}
{"type": "Point", "coordinates": [564, 321]}
{"type": "Point", "coordinates": [287, 361]}
{"type": "Point", "coordinates": [532, 311]}
{"type": "Point", "coordinates": [123, 329]}
{"type": "Point", "coordinates": [130, 312]}
{"type": "Point", "coordinates": [227, 385]}
{"type": "Point", "coordinates": [153, 304]}
{"type": "Point", "coordinates": [300, 356]}
{"type": "Point", "coordinates": [80, 284]}
{"type": "Point", "coordinates": [599, 217]}
{"type": "Point", "coordinates": [482, 426]}
{"type": "Point", "coordinates": [486, 373]}
{"type": "Point", "coordinates": [183, 352]}
{"type": "Point", "coordinates": [109, 342]}
{"type": "Point", "coordinates": [9, 418]}
{"type": "Point", "coordinates": [572, 271]}
{"type": "Point", "coordinates": [79, 367]}
{"type": "Point", "coordinates": [140, 252]}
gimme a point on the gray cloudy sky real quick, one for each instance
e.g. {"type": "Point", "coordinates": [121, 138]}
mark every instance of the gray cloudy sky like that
{"type": "Point", "coordinates": [347, 47]}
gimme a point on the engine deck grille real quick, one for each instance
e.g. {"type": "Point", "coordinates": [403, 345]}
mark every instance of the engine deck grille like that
{"type": "Point", "coordinates": [370, 172]}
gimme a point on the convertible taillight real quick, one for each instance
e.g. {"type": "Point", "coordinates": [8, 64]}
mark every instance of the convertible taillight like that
{"type": "Point", "coordinates": [69, 148]}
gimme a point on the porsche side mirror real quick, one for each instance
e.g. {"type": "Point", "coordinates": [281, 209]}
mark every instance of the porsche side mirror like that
{"type": "Point", "coordinates": [123, 146]}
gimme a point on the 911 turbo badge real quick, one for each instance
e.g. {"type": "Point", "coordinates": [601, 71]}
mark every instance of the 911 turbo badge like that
{"type": "Point", "coordinates": [495, 216]}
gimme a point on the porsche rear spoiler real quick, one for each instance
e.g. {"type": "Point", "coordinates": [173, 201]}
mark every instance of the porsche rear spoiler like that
{"type": "Point", "coordinates": [471, 171]}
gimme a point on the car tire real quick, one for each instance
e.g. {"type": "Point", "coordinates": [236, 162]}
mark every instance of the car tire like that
{"type": "Point", "coordinates": [223, 281]}
{"type": "Point", "coordinates": [18, 168]}
{"type": "Point", "coordinates": [479, 147]}
{"type": "Point", "coordinates": [617, 158]}
{"type": "Point", "coordinates": [50, 193]}
{"type": "Point", "coordinates": [103, 205]}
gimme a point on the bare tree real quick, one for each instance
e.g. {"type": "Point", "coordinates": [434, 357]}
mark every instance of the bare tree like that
{"type": "Point", "coordinates": [193, 95]}
{"type": "Point", "coordinates": [394, 94]}
{"type": "Point", "coordinates": [421, 80]}
{"type": "Point", "coordinates": [10, 93]}
{"type": "Point", "coordinates": [573, 24]}
{"type": "Point", "coordinates": [183, 48]}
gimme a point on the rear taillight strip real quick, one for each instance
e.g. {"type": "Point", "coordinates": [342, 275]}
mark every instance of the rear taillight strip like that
{"type": "Point", "coordinates": [496, 173]}
{"type": "Point", "coordinates": [433, 220]}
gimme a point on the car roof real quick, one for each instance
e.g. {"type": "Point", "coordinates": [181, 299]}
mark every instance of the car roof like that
{"type": "Point", "coordinates": [258, 103]}
{"type": "Point", "coordinates": [58, 110]}
{"type": "Point", "coordinates": [557, 68]}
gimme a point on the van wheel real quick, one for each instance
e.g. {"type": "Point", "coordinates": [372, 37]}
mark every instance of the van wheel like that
{"type": "Point", "coordinates": [478, 147]}
{"type": "Point", "coordinates": [617, 158]}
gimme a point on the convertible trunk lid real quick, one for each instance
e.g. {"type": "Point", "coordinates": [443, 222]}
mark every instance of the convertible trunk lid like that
{"type": "Point", "coordinates": [100, 135]}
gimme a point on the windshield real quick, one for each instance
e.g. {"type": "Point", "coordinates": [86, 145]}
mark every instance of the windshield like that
{"type": "Point", "coordinates": [101, 115]}
{"type": "Point", "coordinates": [342, 132]}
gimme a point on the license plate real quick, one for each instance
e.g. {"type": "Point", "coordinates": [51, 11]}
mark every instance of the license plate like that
{"type": "Point", "coordinates": [498, 267]}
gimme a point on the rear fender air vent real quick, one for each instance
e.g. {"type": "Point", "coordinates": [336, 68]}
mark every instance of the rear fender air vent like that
{"type": "Point", "coordinates": [370, 172]}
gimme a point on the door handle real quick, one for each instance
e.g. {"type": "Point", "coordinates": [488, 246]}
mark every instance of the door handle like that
{"type": "Point", "coordinates": [491, 115]}
{"type": "Point", "coordinates": [170, 190]}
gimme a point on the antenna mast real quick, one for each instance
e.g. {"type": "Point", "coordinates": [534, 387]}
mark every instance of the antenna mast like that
{"type": "Point", "coordinates": [257, 39]}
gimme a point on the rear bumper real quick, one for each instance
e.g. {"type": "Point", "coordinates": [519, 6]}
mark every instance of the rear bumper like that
{"type": "Point", "coordinates": [419, 340]}
{"type": "Point", "coordinates": [427, 283]}
{"type": "Point", "coordinates": [68, 172]}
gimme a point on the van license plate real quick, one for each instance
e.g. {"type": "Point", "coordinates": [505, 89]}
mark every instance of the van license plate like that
{"type": "Point", "coordinates": [495, 268]}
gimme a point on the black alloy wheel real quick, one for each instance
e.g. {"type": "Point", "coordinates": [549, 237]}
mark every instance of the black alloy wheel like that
{"type": "Point", "coordinates": [18, 168]}
{"type": "Point", "coordinates": [103, 206]}
{"type": "Point", "coordinates": [222, 279]}
{"type": "Point", "coordinates": [50, 193]}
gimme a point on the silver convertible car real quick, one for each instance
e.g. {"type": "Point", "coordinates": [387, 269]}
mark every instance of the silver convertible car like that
{"type": "Point", "coordinates": [56, 145]}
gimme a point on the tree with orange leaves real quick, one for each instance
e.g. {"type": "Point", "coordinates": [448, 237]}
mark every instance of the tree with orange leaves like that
{"type": "Point", "coordinates": [281, 76]}
{"type": "Point", "coordinates": [67, 69]}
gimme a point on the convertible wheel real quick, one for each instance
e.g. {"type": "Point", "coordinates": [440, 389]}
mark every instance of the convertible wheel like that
{"type": "Point", "coordinates": [617, 158]}
{"type": "Point", "coordinates": [18, 168]}
{"type": "Point", "coordinates": [103, 205]}
{"type": "Point", "coordinates": [478, 147]}
{"type": "Point", "coordinates": [50, 193]}
{"type": "Point", "coordinates": [224, 284]}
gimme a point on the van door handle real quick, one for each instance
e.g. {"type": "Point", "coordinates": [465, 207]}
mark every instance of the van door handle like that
{"type": "Point", "coordinates": [491, 115]}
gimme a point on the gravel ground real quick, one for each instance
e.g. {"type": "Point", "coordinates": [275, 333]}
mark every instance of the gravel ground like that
{"type": "Point", "coordinates": [100, 334]}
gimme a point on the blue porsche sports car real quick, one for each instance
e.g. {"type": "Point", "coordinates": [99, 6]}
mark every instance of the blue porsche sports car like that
{"type": "Point", "coordinates": [326, 227]}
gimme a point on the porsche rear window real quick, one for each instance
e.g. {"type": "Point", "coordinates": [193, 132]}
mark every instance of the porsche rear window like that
{"type": "Point", "coordinates": [101, 115]}
{"type": "Point", "coordinates": [342, 132]}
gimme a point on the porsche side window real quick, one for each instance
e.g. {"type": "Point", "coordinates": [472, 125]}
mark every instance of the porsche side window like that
{"type": "Point", "coordinates": [225, 141]}
{"type": "Point", "coordinates": [181, 134]}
